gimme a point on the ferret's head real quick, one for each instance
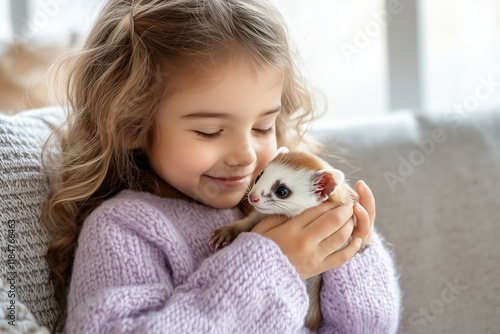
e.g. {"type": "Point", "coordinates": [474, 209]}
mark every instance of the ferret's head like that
{"type": "Point", "coordinates": [294, 182]}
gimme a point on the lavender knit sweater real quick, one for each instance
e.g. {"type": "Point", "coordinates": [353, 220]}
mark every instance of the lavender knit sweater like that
{"type": "Point", "coordinates": [143, 265]}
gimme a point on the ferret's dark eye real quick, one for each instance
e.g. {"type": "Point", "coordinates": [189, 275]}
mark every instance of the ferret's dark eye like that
{"type": "Point", "coordinates": [258, 177]}
{"type": "Point", "coordinates": [282, 192]}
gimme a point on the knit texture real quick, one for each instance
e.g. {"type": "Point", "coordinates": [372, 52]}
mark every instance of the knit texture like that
{"type": "Point", "coordinates": [143, 265]}
{"type": "Point", "coordinates": [23, 189]}
{"type": "Point", "coordinates": [16, 318]}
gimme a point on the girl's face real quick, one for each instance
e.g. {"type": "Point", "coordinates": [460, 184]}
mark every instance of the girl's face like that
{"type": "Point", "coordinates": [215, 137]}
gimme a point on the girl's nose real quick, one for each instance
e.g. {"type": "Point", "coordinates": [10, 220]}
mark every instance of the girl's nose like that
{"type": "Point", "coordinates": [253, 198]}
{"type": "Point", "coordinates": [241, 155]}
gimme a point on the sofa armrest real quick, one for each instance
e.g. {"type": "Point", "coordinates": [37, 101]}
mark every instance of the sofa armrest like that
{"type": "Point", "coordinates": [23, 189]}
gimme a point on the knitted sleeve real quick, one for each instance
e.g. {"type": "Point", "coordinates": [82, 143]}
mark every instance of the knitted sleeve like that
{"type": "Point", "coordinates": [122, 282]}
{"type": "Point", "coordinates": [362, 295]}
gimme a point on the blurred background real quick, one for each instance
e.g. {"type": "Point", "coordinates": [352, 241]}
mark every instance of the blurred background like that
{"type": "Point", "coordinates": [364, 58]}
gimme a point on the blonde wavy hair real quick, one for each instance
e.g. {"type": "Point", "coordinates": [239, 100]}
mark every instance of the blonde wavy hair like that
{"type": "Point", "coordinates": [133, 57]}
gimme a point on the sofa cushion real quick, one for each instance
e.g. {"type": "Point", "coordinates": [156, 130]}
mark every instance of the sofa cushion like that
{"type": "Point", "coordinates": [23, 188]}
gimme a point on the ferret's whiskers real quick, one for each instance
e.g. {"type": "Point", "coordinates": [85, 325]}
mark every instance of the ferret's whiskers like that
{"type": "Point", "coordinates": [346, 176]}
{"type": "Point", "coordinates": [244, 199]}
{"type": "Point", "coordinates": [249, 187]}
{"type": "Point", "coordinates": [354, 171]}
{"type": "Point", "coordinates": [245, 204]}
{"type": "Point", "coordinates": [282, 205]}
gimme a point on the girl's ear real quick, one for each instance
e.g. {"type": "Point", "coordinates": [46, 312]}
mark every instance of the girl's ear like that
{"type": "Point", "coordinates": [280, 150]}
{"type": "Point", "coordinates": [326, 181]}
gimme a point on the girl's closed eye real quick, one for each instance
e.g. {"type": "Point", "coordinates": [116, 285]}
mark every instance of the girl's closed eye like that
{"type": "Point", "coordinates": [208, 135]}
{"type": "Point", "coordinates": [267, 131]}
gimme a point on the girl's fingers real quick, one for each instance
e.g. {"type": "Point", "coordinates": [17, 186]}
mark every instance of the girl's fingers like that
{"type": "Point", "coordinates": [311, 215]}
{"type": "Point", "coordinates": [335, 241]}
{"type": "Point", "coordinates": [269, 223]}
{"type": "Point", "coordinates": [363, 223]}
{"type": "Point", "coordinates": [366, 199]}
{"type": "Point", "coordinates": [337, 259]}
{"type": "Point", "coordinates": [330, 222]}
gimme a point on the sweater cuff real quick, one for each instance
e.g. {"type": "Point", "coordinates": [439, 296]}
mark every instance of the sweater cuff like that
{"type": "Point", "coordinates": [363, 295]}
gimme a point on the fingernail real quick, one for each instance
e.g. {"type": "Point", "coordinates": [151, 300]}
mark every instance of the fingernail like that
{"type": "Point", "coordinates": [359, 242]}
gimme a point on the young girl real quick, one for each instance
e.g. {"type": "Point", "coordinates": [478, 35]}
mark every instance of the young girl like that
{"type": "Point", "coordinates": [176, 106]}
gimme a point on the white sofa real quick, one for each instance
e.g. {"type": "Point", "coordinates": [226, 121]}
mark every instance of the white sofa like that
{"type": "Point", "coordinates": [435, 180]}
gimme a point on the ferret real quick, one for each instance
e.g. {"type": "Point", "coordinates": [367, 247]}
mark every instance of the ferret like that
{"type": "Point", "coordinates": [291, 183]}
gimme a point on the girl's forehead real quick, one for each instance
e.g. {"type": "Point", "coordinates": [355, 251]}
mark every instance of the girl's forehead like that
{"type": "Point", "coordinates": [202, 74]}
{"type": "Point", "coordinates": [236, 89]}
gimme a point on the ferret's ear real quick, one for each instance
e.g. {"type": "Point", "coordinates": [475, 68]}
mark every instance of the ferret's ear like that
{"type": "Point", "coordinates": [326, 181]}
{"type": "Point", "coordinates": [280, 150]}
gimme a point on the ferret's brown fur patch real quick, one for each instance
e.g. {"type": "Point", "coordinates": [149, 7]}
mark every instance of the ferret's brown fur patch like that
{"type": "Point", "coordinates": [343, 194]}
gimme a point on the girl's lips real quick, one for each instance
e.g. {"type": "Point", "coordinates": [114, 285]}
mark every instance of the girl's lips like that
{"type": "Point", "coordinates": [235, 181]}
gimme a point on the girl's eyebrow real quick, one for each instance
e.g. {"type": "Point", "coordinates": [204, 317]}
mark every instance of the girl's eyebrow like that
{"type": "Point", "coordinates": [210, 114]}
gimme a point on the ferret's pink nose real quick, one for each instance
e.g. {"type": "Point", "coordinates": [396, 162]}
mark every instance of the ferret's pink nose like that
{"type": "Point", "coordinates": [253, 198]}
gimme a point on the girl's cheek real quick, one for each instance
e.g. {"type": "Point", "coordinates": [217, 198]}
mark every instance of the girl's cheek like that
{"type": "Point", "coordinates": [198, 157]}
{"type": "Point", "coordinates": [270, 150]}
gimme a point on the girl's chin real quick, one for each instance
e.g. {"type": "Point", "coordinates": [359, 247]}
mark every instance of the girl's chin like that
{"type": "Point", "coordinates": [223, 202]}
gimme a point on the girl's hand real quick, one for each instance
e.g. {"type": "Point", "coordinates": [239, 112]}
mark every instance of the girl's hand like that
{"type": "Point", "coordinates": [364, 212]}
{"type": "Point", "coordinates": [310, 240]}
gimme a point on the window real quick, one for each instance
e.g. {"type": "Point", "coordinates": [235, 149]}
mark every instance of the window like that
{"type": "Point", "coordinates": [5, 26]}
{"type": "Point", "coordinates": [342, 45]}
{"type": "Point", "coordinates": [461, 51]}
{"type": "Point", "coordinates": [363, 58]}
{"type": "Point", "coordinates": [51, 21]}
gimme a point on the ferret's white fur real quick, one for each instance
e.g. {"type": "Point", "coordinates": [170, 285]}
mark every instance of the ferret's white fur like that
{"type": "Point", "coordinates": [300, 181]}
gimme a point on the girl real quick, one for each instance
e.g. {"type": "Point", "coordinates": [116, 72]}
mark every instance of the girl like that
{"type": "Point", "coordinates": [176, 106]}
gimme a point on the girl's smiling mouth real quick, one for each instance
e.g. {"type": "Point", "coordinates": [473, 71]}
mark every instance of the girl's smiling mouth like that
{"type": "Point", "coordinates": [232, 182]}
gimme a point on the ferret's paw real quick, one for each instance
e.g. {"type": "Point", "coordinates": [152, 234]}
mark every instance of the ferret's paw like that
{"type": "Point", "coordinates": [223, 236]}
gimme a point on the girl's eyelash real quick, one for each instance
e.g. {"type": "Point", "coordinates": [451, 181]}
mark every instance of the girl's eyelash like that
{"type": "Point", "coordinates": [205, 135]}
{"type": "Point", "coordinates": [214, 135]}
{"type": "Point", "coordinates": [265, 131]}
